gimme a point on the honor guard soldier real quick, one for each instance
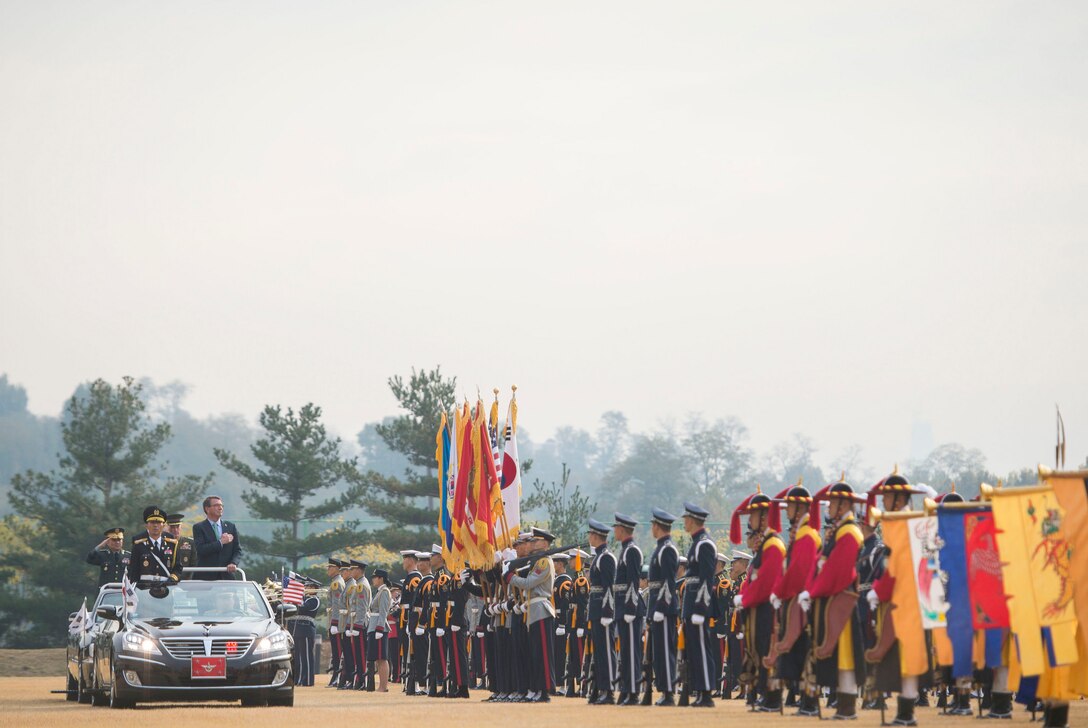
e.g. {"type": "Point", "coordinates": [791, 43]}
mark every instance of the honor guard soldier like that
{"type": "Point", "coordinates": [870, 557]}
{"type": "Point", "coordinates": [186, 548]}
{"type": "Point", "coordinates": [303, 631]}
{"type": "Point", "coordinates": [602, 576]}
{"type": "Point", "coordinates": [562, 596]}
{"type": "Point", "coordinates": [723, 596]}
{"type": "Point", "coordinates": [359, 618]}
{"type": "Point", "coordinates": [409, 617]}
{"type": "Point", "coordinates": [154, 552]}
{"type": "Point", "coordinates": [830, 594]}
{"type": "Point", "coordinates": [437, 625]}
{"type": "Point", "coordinates": [755, 596]}
{"type": "Point", "coordinates": [377, 629]}
{"type": "Point", "coordinates": [422, 608]}
{"type": "Point", "coordinates": [110, 557]}
{"type": "Point", "coordinates": [791, 642]}
{"type": "Point", "coordinates": [337, 587]}
{"type": "Point", "coordinates": [698, 608]}
{"type": "Point", "coordinates": [348, 643]}
{"type": "Point", "coordinates": [663, 605]}
{"type": "Point", "coordinates": [457, 635]}
{"type": "Point", "coordinates": [539, 615]}
{"type": "Point", "coordinates": [628, 604]}
{"type": "Point", "coordinates": [734, 626]}
{"type": "Point", "coordinates": [895, 492]}
{"type": "Point", "coordinates": [577, 665]}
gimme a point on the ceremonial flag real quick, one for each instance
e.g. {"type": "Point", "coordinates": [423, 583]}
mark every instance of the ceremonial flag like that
{"type": "Point", "coordinates": [511, 473]}
{"type": "Point", "coordinates": [79, 622]}
{"type": "Point", "coordinates": [1071, 490]}
{"type": "Point", "coordinates": [293, 590]}
{"type": "Point", "coordinates": [453, 429]}
{"type": "Point", "coordinates": [129, 600]}
{"type": "Point", "coordinates": [989, 607]}
{"type": "Point", "coordinates": [927, 570]}
{"type": "Point", "coordinates": [1036, 566]}
{"type": "Point", "coordinates": [906, 615]}
{"type": "Point", "coordinates": [961, 630]}
{"type": "Point", "coordinates": [464, 508]}
{"type": "Point", "coordinates": [442, 456]}
{"type": "Point", "coordinates": [487, 487]}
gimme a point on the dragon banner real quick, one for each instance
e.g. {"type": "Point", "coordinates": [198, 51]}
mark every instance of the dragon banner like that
{"type": "Point", "coordinates": [1036, 567]}
{"type": "Point", "coordinates": [1072, 492]}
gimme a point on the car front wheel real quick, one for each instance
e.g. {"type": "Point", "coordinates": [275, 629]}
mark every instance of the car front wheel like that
{"type": "Point", "coordinates": [72, 688]}
{"type": "Point", "coordinates": [117, 699]}
{"type": "Point", "coordinates": [285, 699]}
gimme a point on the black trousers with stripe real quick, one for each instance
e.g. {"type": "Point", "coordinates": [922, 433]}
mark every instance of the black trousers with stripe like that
{"type": "Point", "coordinates": [662, 646]}
{"type": "Point", "coordinates": [541, 655]}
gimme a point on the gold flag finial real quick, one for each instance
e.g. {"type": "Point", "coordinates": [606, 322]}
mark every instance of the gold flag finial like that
{"type": "Point", "coordinates": [800, 479]}
{"type": "Point", "coordinates": [842, 478]}
{"type": "Point", "coordinates": [895, 469]}
{"type": "Point", "coordinates": [514, 389]}
{"type": "Point", "coordinates": [953, 486]}
{"type": "Point", "coordinates": [759, 488]}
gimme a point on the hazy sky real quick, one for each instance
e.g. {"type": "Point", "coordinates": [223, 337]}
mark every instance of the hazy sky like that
{"type": "Point", "coordinates": [833, 218]}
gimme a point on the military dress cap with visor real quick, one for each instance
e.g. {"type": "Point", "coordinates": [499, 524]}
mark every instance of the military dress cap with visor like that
{"type": "Point", "coordinates": [335, 563]}
{"type": "Point", "coordinates": [436, 549]}
{"type": "Point", "coordinates": [693, 511]}
{"type": "Point", "coordinates": [740, 555]}
{"type": "Point", "coordinates": [154, 513]}
{"type": "Point", "coordinates": [175, 519]}
{"type": "Point", "coordinates": [755, 503]}
{"type": "Point", "coordinates": [561, 557]}
{"type": "Point", "coordinates": [541, 534]}
{"type": "Point", "coordinates": [662, 518]}
{"type": "Point", "coordinates": [381, 574]}
{"type": "Point", "coordinates": [622, 519]}
{"type": "Point", "coordinates": [595, 526]}
{"type": "Point", "coordinates": [424, 555]}
{"type": "Point", "coordinates": [410, 553]}
{"type": "Point", "coordinates": [722, 557]}
{"type": "Point", "coordinates": [357, 564]}
{"type": "Point", "coordinates": [116, 533]}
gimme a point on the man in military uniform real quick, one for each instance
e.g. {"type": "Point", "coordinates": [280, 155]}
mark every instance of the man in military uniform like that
{"type": "Point", "coordinates": [562, 595]}
{"type": "Point", "coordinates": [578, 625]}
{"type": "Point", "coordinates": [186, 549]}
{"type": "Point", "coordinates": [833, 628]}
{"type": "Point", "coordinates": [337, 587]}
{"type": "Point", "coordinates": [628, 603]}
{"type": "Point", "coordinates": [303, 631]}
{"type": "Point", "coordinates": [349, 643]}
{"type": "Point", "coordinates": [154, 553]}
{"type": "Point", "coordinates": [733, 626]}
{"type": "Point", "coordinates": [697, 610]}
{"type": "Point", "coordinates": [792, 638]}
{"type": "Point", "coordinates": [360, 617]}
{"type": "Point", "coordinates": [110, 557]}
{"type": "Point", "coordinates": [602, 576]}
{"type": "Point", "coordinates": [755, 596]}
{"type": "Point", "coordinates": [663, 605]}
{"type": "Point", "coordinates": [438, 621]}
{"type": "Point", "coordinates": [409, 617]}
{"type": "Point", "coordinates": [377, 628]}
{"type": "Point", "coordinates": [722, 596]}
{"type": "Point", "coordinates": [539, 615]}
{"type": "Point", "coordinates": [458, 619]}
{"type": "Point", "coordinates": [421, 608]}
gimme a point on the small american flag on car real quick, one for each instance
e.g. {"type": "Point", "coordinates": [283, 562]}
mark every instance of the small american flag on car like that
{"type": "Point", "coordinates": [293, 590]}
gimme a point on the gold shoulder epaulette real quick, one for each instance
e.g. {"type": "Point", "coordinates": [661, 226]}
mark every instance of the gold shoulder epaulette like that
{"type": "Point", "coordinates": [139, 540]}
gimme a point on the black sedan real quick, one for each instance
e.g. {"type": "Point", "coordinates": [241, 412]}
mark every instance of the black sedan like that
{"type": "Point", "coordinates": [195, 640]}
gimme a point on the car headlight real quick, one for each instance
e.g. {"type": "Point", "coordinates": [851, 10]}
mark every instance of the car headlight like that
{"type": "Point", "coordinates": [136, 642]}
{"type": "Point", "coordinates": [276, 642]}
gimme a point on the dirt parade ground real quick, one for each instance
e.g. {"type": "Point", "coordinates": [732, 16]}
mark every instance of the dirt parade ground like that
{"type": "Point", "coordinates": [27, 701]}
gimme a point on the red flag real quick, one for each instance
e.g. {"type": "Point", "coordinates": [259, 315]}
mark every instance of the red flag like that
{"type": "Point", "coordinates": [463, 511]}
{"type": "Point", "coordinates": [985, 584]}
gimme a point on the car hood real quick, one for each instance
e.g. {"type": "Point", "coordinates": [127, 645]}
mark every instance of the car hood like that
{"type": "Point", "coordinates": [165, 627]}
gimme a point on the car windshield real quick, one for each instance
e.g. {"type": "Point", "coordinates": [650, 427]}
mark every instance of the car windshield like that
{"type": "Point", "coordinates": [213, 601]}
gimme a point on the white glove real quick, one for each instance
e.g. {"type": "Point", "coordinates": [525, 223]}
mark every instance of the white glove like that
{"type": "Point", "coordinates": [350, 633]}
{"type": "Point", "coordinates": [465, 575]}
{"type": "Point", "coordinates": [697, 619]}
{"type": "Point", "coordinates": [581, 632]}
{"type": "Point", "coordinates": [740, 635]}
{"type": "Point", "coordinates": [498, 556]}
{"type": "Point", "coordinates": [509, 554]}
{"type": "Point", "coordinates": [522, 608]}
{"type": "Point", "coordinates": [334, 630]}
{"type": "Point", "coordinates": [659, 617]}
{"type": "Point", "coordinates": [420, 631]}
{"type": "Point", "coordinates": [440, 632]}
{"type": "Point", "coordinates": [776, 602]}
{"type": "Point", "coordinates": [505, 568]}
{"type": "Point", "coordinates": [805, 600]}
{"type": "Point", "coordinates": [873, 599]}
{"type": "Point", "coordinates": [605, 621]}
{"type": "Point", "coordinates": [629, 618]}
{"type": "Point", "coordinates": [737, 601]}
{"type": "Point", "coordinates": [455, 627]}
{"type": "Point", "coordinates": [560, 631]}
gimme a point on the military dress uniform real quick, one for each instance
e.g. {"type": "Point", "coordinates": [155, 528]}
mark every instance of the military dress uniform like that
{"type": "Point", "coordinates": [337, 587]}
{"type": "Point", "coordinates": [539, 614]}
{"type": "Point", "coordinates": [112, 565]}
{"type": "Point", "coordinates": [562, 596]}
{"type": "Point", "coordinates": [348, 641]}
{"type": "Point", "coordinates": [628, 605]}
{"type": "Point", "coordinates": [438, 628]}
{"type": "Point", "coordinates": [186, 555]}
{"type": "Point", "coordinates": [698, 609]}
{"type": "Point", "coordinates": [303, 629]}
{"type": "Point", "coordinates": [364, 672]}
{"type": "Point", "coordinates": [459, 673]}
{"type": "Point", "coordinates": [577, 669]}
{"type": "Point", "coordinates": [420, 638]}
{"type": "Point", "coordinates": [602, 576]}
{"type": "Point", "coordinates": [377, 628]}
{"type": "Point", "coordinates": [154, 560]}
{"type": "Point", "coordinates": [663, 605]}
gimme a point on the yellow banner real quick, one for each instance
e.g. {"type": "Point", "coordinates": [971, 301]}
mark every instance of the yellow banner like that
{"type": "Point", "coordinates": [1072, 492]}
{"type": "Point", "coordinates": [906, 615]}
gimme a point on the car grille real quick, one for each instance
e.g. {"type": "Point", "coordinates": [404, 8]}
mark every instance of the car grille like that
{"type": "Point", "coordinates": [185, 647]}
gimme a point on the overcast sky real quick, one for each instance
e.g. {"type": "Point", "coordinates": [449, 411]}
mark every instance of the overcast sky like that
{"type": "Point", "coordinates": [840, 219]}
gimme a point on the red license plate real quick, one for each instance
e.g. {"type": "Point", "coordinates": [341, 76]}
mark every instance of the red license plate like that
{"type": "Point", "coordinates": [208, 667]}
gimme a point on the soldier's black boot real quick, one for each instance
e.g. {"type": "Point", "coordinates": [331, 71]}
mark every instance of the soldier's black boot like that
{"type": "Point", "coordinates": [791, 699]}
{"type": "Point", "coordinates": [605, 698]}
{"type": "Point", "coordinates": [923, 699]}
{"type": "Point", "coordinates": [846, 707]}
{"type": "Point", "coordinates": [665, 699]}
{"type": "Point", "coordinates": [771, 702]}
{"type": "Point", "coordinates": [942, 699]}
{"type": "Point", "coordinates": [704, 700]}
{"type": "Point", "coordinates": [647, 697]}
{"type": "Point", "coordinates": [1001, 706]}
{"type": "Point", "coordinates": [682, 701]}
{"type": "Point", "coordinates": [809, 706]}
{"type": "Point", "coordinates": [432, 687]}
{"type": "Point", "coordinates": [1057, 716]}
{"type": "Point", "coordinates": [570, 691]}
{"type": "Point", "coordinates": [370, 677]}
{"type": "Point", "coordinates": [961, 703]}
{"type": "Point", "coordinates": [905, 714]}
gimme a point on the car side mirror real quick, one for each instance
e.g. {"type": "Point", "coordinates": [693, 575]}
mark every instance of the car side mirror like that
{"type": "Point", "coordinates": [109, 612]}
{"type": "Point", "coordinates": [287, 609]}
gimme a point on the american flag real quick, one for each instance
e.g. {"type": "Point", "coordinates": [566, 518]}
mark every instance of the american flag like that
{"type": "Point", "coordinates": [293, 590]}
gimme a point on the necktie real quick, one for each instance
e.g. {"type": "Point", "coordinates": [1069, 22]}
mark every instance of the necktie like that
{"type": "Point", "coordinates": [218, 530]}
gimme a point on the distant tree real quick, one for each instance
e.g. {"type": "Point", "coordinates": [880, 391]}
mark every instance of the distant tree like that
{"type": "Point", "coordinates": [721, 464]}
{"type": "Point", "coordinates": [612, 442]}
{"type": "Point", "coordinates": [376, 455]}
{"type": "Point", "coordinates": [408, 503]}
{"type": "Point", "coordinates": [109, 472]}
{"type": "Point", "coordinates": [793, 459]}
{"type": "Point", "coordinates": [656, 473]}
{"type": "Point", "coordinates": [297, 461]}
{"type": "Point", "coordinates": [567, 508]}
{"type": "Point", "coordinates": [952, 463]}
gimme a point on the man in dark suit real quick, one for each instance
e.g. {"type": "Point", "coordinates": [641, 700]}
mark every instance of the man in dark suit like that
{"type": "Point", "coordinates": [217, 541]}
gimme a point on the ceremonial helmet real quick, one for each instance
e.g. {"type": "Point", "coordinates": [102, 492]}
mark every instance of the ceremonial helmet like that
{"type": "Point", "coordinates": [754, 503]}
{"type": "Point", "coordinates": [838, 489]}
{"type": "Point", "coordinates": [793, 494]}
{"type": "Point", "coordinates": [950, 497]}
{"type": "Point", "coordinates": [894, 483]}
